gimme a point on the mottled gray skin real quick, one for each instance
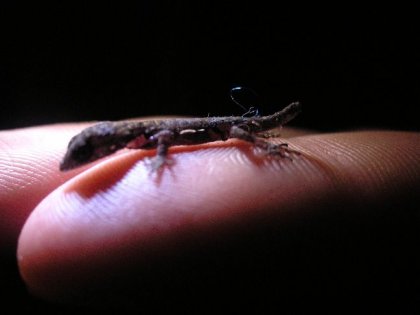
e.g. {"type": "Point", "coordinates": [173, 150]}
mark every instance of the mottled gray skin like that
{"type": "Point", "coordinates": [107, 137]}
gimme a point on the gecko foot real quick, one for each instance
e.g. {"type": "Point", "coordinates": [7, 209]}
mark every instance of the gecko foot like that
{"type": "Point", "coordinates": [158, 162]}
{"type": "Point", "coordinates": [279, 150]}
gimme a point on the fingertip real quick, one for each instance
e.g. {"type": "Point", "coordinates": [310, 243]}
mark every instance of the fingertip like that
{"type": "Point", "coordinates": [117, 217]}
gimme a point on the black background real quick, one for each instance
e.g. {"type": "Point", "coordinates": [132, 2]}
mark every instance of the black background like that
{"type": "Point", "coordinates": [351, 67]}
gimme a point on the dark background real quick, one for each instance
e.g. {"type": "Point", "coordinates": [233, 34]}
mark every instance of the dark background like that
{"type": "Point", "coordinates": [350, 67]}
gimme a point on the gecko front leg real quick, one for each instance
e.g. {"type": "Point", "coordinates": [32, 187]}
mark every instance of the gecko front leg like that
{"type": "Point", "coordinates": [268, 147]}
{"type": "Point", "coordinates": [164, 139]}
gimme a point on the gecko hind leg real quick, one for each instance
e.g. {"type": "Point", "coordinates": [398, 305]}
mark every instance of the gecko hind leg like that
{"type": "Point", "coordinates": [269, 148]}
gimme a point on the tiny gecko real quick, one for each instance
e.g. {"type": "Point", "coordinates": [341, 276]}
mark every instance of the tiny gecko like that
{"type": "Point", "coordinates": [107, 137]}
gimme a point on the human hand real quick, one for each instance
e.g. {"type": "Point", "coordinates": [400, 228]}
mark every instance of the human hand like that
{"type": "Point", "coordinates": [218, 220]}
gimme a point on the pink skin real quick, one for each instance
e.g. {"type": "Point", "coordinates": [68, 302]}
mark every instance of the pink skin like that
{"type": "Point", "coordinates": [117, 216]}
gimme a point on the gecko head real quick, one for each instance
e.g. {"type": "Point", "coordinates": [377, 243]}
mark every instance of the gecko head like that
{"type": "Point", "coordinates": [90, 145]}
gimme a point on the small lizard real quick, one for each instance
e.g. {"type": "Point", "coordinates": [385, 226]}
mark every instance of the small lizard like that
{"type": "Point", "coordinates": [107, 137]}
